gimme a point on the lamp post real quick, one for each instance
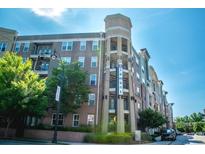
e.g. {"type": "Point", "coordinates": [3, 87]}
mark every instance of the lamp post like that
{"type": "Point", "coordinates": [57, 99]}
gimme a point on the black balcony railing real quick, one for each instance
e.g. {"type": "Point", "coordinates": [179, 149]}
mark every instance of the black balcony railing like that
{"type": "Point", "coordinates": [125, 85]}
{"type": "Point", "coordinates": [42, 67]}
{"type": "Point", "coordinates": [42, 52]}
{"type": "Point", "coordinates": [113, 84]}
{"type": "Point", "coordinates": [126, 104]}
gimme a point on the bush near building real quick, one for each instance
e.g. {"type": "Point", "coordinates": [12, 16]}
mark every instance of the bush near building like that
{"type": "Point", "coordinates": [113, 138]}
{"type": "Point", "coordinates": [81, 128]}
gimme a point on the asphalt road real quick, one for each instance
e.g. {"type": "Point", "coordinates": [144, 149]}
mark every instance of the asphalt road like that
{"type": "Point", "coordinates": [181, 140]}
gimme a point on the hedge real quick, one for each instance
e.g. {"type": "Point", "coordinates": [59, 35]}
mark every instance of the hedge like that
{"type": "Point", "coordinates": [113, 138]}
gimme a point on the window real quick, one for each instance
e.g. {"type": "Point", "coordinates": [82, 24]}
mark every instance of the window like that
{"type": "Point", "coordinates": [26, 47]}
{"type": "Point", "coordinates": [95, 46]}
{"type": "Point", "coordinates": [93, 62]}
{"type": "Point", "coordinates": [67, 46]}
{"type": "Point", "coordinates": [112, 104]}
{"type": "Point", "coordinates": [17, 46]}
{"type": "Point", "coordinates": [91, 119]}
{"type": "Point", "coordinates": [113, 44]}
{"type": "Point", "coordinates": [93, 79]}
{"type": "Point", "coordinates": [81, 61]}
{"type": "Point", "coordinates": [3, 46]}
{"type": "Point", "coordinates": [60, 119]}
{"type": "Point", "coordinates": [124, 45]}
{"type": "Point", "coordinates": [76, 118]}
{"type": "Point", "coordinates": [66, 60]}
{"type": "Point", "coordinates": [126, 104]}
{"type": "Point", "coordinates": [91, 99]}
{"type": "Point", "coordinates": [82, 45]}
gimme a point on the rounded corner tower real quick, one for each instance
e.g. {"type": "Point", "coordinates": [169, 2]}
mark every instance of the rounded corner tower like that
{"type": "Point", "coordinates": [118, 103]}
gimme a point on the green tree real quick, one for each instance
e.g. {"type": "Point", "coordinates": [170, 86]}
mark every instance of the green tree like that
{"type": "Point", "coordinates": [196, 117]}
{"type": "Point", "coordinates": [151, 119]}
{"type": "Point", "coordinates": [180, 124]}
{"type": "Point", "coordinates": [74, 88]}
{"type": "Point", "coordinates": [198, 126]}
{"type": "Point", "coordinates": [21, 89]}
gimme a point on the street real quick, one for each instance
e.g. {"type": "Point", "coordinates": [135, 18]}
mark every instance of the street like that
{"type": "Point", "coordinates": [182, 140]}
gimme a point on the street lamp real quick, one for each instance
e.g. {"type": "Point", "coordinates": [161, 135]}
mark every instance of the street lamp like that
{"type": "Point", "coordinates": [61, 78]}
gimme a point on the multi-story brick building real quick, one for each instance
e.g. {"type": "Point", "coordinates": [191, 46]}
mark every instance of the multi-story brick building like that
{"type": "Point", "coordinates": [120, 78]}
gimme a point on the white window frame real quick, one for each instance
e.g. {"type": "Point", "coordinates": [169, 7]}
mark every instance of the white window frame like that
{"type": "Point", "coordinates": [143, 80]}
{"type": "Point", "coordinates": [73, 122]}
{"type": "Point", "coordinates": [137, 60]}
{"type": "Point", "coordinates": [91, 97]}
{"type": "Point", "coordinates": [94, 45]}
{"type": "Point", "coordinates": [68, 46]}
{"type": "Point", "coordinates": [2, 44]}
{"type": "Point", "coordinates": [91, 118]}
{"type": "Point", "coordinates": [60, 114]}
{"type": "Point", "coordinates": [67, 60]}
{"type": "Point", "coordinates": [82, 45]}
{"type": "Point", "coordinates": [17, 46]}
{"type": "Point", "coordinates": [93, 75]}
{"type": "Point", "coordinates": [26, 46]}
{"type": "Point", "coordinates": [138, 76]}
{"type": "Point", "coordinates": [81, 60]}
{"type": "Point", "coordinates": [142, 68]}
{"type": "Point", "coordinates": [94, 60]}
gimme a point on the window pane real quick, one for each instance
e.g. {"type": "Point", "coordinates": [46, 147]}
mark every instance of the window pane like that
{"type": "Point", "coordinates": [82, 45]}
{"type": "Point", "coordinates": [26, 47]}
{"type": "Point", "coordinates": [95, 46]}
{"type": "Point", "coordinates": [93, 62]}
{"type": "Point", "coordinates": [113, 44]}
{"type": "Point", "coordinates": [81, 61]}
{"type": "Point", "coordinates": [93, 79]}
{"type": "Point", "coordinates": [124, 44]}
{"type": "Point", "coordinates": [17, 47]}
{"type": "Point", "coordinates": [3, 46]}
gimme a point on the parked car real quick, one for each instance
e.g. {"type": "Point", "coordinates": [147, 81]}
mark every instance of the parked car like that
{"type": "Point", "coordinates": [168, 134]}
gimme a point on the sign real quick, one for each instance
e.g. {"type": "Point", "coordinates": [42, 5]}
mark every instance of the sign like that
{"type": "Point", "coordinates": [58, 93]}
{"type": "Point", "coordinates": [120, 80]}
{"type": "Point", "coordinates": [137, 135]}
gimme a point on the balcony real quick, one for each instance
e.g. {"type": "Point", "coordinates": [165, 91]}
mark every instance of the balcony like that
{"type": "Point", "coordinates": [113, 84]}
{"type": "Point", "coordinates": [42, 69]}
{"type": "Point", "coordinates": [42, 53]}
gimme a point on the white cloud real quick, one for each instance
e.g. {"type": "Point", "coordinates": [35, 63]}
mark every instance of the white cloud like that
{"type": "Point", "coordinates": [52, 13]}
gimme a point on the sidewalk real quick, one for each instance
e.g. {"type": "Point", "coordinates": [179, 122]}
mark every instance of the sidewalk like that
{"type": "Point", "coordinates": [27, 141]}
{"type": "Point", "coordinates": [198, 138]}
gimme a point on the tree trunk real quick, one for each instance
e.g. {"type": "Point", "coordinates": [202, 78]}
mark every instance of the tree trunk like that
{"type": "Point", "coordinates": [8, 123]}
{"type": "Point", "coordinates": [20, 126]}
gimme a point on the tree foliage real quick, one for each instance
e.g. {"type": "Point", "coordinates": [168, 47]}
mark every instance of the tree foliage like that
{"type": "Point", "coordinates": [74, 88]}
{"type": "Point", "coordinates": [191, 123]}
{"type": "Point", "coordinates": [21, 89]}
{"type": "Point", "coordinates": [151, 119]}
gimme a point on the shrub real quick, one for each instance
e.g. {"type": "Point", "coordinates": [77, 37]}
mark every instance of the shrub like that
{"type": "Point", "coordinates": [146, 137]}
{"type": "Point", "coordinates": [113, 138]}
{"type": "Point", "coordinates": [81, 128]}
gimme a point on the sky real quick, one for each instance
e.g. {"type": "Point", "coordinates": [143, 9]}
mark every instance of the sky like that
{"type": "Point", "coordinates": [175, 39]}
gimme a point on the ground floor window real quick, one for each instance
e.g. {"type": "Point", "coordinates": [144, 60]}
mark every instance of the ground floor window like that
{"type": "Point", "coordinates": [76, 119]}
{"type": "Point", "coordinates": [91, 119]}
{"type": "Point", "coordinates": [31, 121]}
{"type": "Point", "coordinates": [60, 119]}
